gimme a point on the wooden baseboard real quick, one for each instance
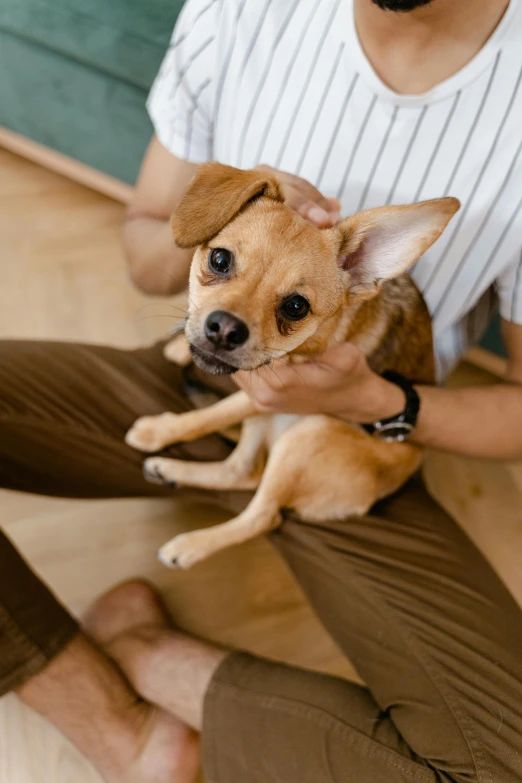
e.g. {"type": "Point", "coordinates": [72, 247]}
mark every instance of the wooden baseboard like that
{"type": "Point", "coordinates": [67, 167]}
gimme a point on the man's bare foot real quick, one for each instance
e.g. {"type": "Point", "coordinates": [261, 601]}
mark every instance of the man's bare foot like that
{"type": "Point", "coordinates": [84, 694]}
{"type": "Point", "coordinates": [170, 749]}
{"type": "Point", "coordinates": [166, 667]}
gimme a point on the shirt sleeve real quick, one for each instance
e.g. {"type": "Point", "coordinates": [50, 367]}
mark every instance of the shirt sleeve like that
{"type": "Point", "coordinates": [509, 287]}
{"type": "Point", "coordinates": [180, 103]}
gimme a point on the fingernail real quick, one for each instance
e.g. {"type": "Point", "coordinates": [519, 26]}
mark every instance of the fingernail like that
{"type": "Point", "coordinates": [318, 215]}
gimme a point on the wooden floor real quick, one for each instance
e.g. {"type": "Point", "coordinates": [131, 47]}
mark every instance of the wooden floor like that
{"type": "Point", "coordinates": [63, 277]}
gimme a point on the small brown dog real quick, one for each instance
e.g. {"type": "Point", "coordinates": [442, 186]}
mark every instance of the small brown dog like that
{"type": "Point", "coordinates": [265, 284]}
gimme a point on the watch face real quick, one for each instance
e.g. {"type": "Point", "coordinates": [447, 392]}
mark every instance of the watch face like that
{"type": "Point", "coordinates": [393, 431]}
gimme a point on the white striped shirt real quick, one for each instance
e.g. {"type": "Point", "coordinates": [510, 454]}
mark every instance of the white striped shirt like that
{"type": "Point", "coordinates": [286, 82]}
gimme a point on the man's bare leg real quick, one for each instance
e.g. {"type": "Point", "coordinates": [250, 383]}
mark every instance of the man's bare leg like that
{"type": "Point", "coordinates": [84, 694]}
{"type": "Point", "coordinates": [167, 667]}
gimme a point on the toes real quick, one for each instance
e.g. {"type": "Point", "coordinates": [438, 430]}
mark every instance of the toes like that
{"type": "Point", "coordinates": [170, 562]}
{"type": "Point", "coordinates": [179, 553]}
{"type": "Point", "coordinates": [122, 608]}
{"type": "Point", "coordinates": [154, 474]}
{"type": "Point", "coordinates": [148, 433]}
{"type": "Point", "coordinates": [141, 440]}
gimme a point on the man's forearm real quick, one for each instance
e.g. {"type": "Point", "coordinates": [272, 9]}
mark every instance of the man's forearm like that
{"type": "Point", "coordinates": [483, 421]}
{"type": "Point", "coordinates": [156, 265]}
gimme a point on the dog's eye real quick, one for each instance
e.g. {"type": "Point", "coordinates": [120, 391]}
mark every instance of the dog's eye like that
{"type": "Point", "coordinates": [295, 307]}
{"type": "Point", "coordinates": [220, 260]}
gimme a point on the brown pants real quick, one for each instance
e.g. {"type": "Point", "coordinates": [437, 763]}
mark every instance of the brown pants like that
{"type": "Point", "coordinates": [405, 594]}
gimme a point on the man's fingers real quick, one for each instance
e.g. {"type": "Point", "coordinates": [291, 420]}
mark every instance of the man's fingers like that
{"type": "Point", "coordinates": [334, 208]}
{"type": "Point", "coordinates": [345, 357]}
{"type": "Point", "coordinates": [314, 206]}
{"type": "Point", "coordinates": [310, 211]}
{"type": "Point", "coordinates": [260, 388]}
{"type": "Point", "coordinates": [267, 382]}
{"type": "Point", "coordinates": [256, 380]}
{"type": "Point", "coordinates": [309, 191]}
{"type": "Point", "coordinates": [306, 199]}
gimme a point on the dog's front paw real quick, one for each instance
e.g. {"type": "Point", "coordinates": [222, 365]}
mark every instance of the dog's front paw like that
{"type": "Point", "coordinates": [152, 433]}
{"type": "Point", "coordinates": [178, 351]}
{"type": "Point", "coordinates": [184, 551]}
{"type": "Point", "coordinates": [158, 471]}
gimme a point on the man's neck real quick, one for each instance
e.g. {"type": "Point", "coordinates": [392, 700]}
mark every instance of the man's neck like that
{"type": "Point", "coordinates": [415, 50]}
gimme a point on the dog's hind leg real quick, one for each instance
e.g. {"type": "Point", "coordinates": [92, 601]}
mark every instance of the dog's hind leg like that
{"type": "Point", "coordinates": [322, 468]}
{"type": "Point", "coordinates": [241, 470]}
{"type": "Point", "coordinates": [261, 515]}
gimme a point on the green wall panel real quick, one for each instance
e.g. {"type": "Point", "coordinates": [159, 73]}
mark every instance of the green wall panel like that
{"type": "Point", "coordinates": [76, 110]}
{"type": "Point", "coordinates": [124, 38]}
{"type": "Point", "coordinates": [493, 339]}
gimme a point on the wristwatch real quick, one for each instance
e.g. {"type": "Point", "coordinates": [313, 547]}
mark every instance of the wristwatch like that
{"type": "Point", "coordinates": [397, 428]}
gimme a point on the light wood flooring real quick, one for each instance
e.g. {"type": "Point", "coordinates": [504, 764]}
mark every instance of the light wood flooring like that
{"type": "Point", "coordinates": [63, 277]}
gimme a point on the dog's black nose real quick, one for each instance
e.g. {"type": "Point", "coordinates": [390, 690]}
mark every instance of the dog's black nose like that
{"type": "Point", "coordinates": [225, 330]}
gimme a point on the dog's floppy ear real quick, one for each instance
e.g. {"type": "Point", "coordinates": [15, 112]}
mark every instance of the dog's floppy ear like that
{"type": "Point", "coordinates": [216, 195]}
{"type": "Point", "coordinates": [382, 243]}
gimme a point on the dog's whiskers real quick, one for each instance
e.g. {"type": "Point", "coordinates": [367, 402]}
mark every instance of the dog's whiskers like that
{"type": "Point", "coordinates": [191, 302]}
{"type": "Point", "coordinates": [161, 304]}
{"type": "Point", "coordinates": [278, 378]}
{"type": "Point", "coordinates": [299, 375]}
{"type": "Point", "coordinates": [159, 315]}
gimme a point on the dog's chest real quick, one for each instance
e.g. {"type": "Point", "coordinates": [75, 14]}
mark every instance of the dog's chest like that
{"type": "Point", "coordinates": [279, 424]}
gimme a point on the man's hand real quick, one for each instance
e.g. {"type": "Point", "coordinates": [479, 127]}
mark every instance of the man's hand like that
{"type": "Point", "coordinates": [481, 421]}
{"type": "Point", "coordinates": [306, 200]}
{"type": "Point", "coordinates": [339, 383]}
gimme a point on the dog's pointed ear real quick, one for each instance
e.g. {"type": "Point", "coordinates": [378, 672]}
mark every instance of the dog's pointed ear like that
{"type": "Point", "coordinates": [382, 243]}
{"type": "Point", "coordinates": [215, 196]}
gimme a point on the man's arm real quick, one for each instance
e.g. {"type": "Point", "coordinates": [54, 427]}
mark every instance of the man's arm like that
{"type": "Point", "coordinates": [483, 421]}
{"type": "Point", "coordinates": [156, 265]}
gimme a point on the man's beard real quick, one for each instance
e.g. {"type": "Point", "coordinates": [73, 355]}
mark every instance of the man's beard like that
{"type": "Point", "coordinates": [401, 5]}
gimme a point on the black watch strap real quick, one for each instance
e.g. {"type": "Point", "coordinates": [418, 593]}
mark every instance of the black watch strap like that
{"type": "Point", "coordinates": [399, 427]}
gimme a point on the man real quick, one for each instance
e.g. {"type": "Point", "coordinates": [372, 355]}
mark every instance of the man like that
{"type": "Point", "coordinates": [385, 101]}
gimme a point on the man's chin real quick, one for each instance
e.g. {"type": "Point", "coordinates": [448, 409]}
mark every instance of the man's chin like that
{"type": "Point", "coordinates": [210, 363]}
